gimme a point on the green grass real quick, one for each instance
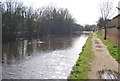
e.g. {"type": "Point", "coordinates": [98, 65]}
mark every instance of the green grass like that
{"type": "Point", "coordinates": [112, 47]}
{"type": "Point", "coordinates": [82, 67]}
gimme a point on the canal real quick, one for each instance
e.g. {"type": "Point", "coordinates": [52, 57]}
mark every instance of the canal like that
{"type": "Point", "coordinates": [51, 57]}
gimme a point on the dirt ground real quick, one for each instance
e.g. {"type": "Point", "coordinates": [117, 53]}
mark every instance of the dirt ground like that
{"type": "Point", "coordinates": [102, 60]}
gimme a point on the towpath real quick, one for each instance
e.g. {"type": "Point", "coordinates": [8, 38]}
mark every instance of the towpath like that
{"type": "Point", "coordinates": [102, 59]}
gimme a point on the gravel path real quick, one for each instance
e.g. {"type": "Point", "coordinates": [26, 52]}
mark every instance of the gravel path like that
{"type": "Point", "coordinates": [102, 60]}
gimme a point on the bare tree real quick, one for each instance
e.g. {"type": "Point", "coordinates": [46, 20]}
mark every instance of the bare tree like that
{"type": "Point", "coordinates": [106, 9]}
{"type": "Point", "coordinates": [20, 21]}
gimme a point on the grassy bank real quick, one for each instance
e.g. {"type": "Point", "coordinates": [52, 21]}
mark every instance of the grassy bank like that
{"type": "Point", "coordinates": [82, 67]}
{"type": "Point", "coordinates": [112, 47]}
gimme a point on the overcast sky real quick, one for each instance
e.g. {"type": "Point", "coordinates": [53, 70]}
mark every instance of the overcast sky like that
{"type": "Point", "coordinates": [84, 11]}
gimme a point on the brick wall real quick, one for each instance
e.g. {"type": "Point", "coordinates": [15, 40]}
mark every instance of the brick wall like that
{"type": "Point", "coordinates": [119, 28]}
{"type": "Point", "coordinates": [113, 34]}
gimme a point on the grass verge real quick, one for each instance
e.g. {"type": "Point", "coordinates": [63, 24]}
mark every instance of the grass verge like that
{"type": "Point", "coordinates": [82, 67]}
{"type": "Point", "coordinates": [112, 47]}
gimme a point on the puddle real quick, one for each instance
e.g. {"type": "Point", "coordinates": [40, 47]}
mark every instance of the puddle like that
{"type": "Point", "coordinates": [108, 74]}
{"type": "Point", "coordinates": [97, 42]}
{"type": "Point", "coordinates": [99, 50]}
{"type": "Point", "coordinates": [98, 46]}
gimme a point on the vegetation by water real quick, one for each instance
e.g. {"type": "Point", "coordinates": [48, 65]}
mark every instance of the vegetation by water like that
{"type": "Point", "coordinates": [112, 47]}
{"type": "Point", "coordinates": [82, 67]}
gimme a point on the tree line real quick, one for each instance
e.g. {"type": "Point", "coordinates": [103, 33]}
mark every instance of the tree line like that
{"type": "Point", "coordinates": [88, 27]}
{"type": "Point", "coordinates": [19, 21]}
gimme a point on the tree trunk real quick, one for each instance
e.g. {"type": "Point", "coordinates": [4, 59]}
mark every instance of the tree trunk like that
{"type": "Point", "coordinates": [105, 35]}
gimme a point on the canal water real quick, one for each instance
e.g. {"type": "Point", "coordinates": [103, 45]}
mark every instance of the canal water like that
{"type": "Point", "coordinates": [51, 57]}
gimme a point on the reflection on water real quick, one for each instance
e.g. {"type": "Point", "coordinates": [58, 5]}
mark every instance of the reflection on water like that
{"type": "Point", "coordinates": [20, 49]}
{"type": "Point", "coordinates": [47, 58]}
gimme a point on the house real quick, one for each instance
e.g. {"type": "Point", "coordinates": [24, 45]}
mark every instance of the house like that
{"type": "Point", "coordinates": [113, 30]}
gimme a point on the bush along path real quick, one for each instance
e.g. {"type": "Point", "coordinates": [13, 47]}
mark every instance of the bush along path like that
{"type": "Point", "coordinates": [82, 67]}
{"type": "Point", "coordinates": [103, 66]}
